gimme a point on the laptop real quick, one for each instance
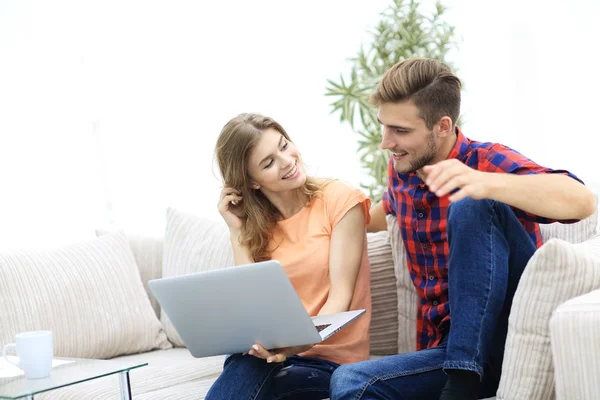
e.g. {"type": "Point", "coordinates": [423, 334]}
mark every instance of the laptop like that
{"type": "Point", "coordinates": [226, 311]}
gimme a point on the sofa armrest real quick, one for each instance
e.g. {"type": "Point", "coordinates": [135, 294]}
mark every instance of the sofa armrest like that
{"type": "Point", "coordinates": [557, 272]}
{"type": "Point", "coordinates": [574, 333]}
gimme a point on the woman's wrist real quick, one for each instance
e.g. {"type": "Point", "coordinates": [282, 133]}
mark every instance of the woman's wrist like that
{"type": "Point", "coordinates": [234, 236]}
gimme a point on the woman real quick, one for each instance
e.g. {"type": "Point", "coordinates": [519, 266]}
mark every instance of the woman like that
{"type": "Point", "coordinates": [316, 230]}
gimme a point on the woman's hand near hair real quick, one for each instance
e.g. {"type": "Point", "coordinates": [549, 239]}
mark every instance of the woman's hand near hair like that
{"type": "Point", "coordinates": [233, 212]}
{"type": "Point", "coordinates": [231, 209]}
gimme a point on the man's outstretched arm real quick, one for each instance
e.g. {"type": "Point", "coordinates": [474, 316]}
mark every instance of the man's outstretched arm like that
{"type": "Point", "coordinates": [553, 196]}
{"type": "Point", "coordinates": [378, 221]}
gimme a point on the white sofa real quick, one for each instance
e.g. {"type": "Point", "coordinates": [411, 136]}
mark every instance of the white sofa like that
{"type": "Point", "coordinates": [98, 311]}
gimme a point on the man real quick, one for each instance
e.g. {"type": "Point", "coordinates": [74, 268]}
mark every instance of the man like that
{"type": "Point", "coordinates": [468, 214]}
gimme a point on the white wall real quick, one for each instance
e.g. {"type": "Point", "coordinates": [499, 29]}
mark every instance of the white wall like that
{"type": "Point", "coordinates": [120, 102]}
{"type": "Point", "coordinates": [531, 78]}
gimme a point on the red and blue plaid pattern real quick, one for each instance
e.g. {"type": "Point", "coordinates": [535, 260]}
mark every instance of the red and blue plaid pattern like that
{"type": "Point", "coordinates": [422, 218]}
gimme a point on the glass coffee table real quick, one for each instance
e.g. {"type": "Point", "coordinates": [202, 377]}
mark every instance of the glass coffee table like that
{"type": "Point", "coordinates": [80, 370]}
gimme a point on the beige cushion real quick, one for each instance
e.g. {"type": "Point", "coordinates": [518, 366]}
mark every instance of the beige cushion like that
{"type": "Point", "coordinates": [384, 319]}
{"type": "Point", "coordinates": [89, 295]}
{"type": "Point", "coordinates": [558, 271]}
{"type": "Point", "coordinates": [408, 300]}
{"type": "Point", "coordinates": [574, 330]}
{"type": "Point", "coordinates": [572, 233]}
{"type": "Point", "coordinates": [147, 252]}
{"type": "Point", "coordinates": [192, 244]}
{"type": "Point", "coordinates": [170, 374]}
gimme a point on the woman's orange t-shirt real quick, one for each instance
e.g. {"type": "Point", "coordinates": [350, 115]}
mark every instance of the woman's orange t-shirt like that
{"type": "Point", "coordinates": [302, 247]}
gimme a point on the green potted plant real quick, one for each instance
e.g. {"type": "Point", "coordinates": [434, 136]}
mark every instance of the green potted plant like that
{"type": "Point", "coordinates": [404, 31]}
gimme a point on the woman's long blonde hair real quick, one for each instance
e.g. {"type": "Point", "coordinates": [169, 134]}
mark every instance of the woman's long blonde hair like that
{"type": "Point", "coordinates": [234, 146]}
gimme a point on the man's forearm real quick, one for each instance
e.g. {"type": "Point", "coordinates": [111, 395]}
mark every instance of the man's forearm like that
{"type": "Point", "coordinates": [554, 196]}
{"type": "Point", "coordinates": [378, 221]}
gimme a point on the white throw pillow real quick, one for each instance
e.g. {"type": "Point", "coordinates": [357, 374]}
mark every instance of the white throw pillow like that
{"type": "Point", "coordinates": [408, 300]}
{"type": "Point", "coordinates": [192, 244]}
{"type": "Point", "coordinates": [557, 272]}
{"type": "Point", "coordinates": [384, 314]}
{"type": "Point", "coordinates": [89, 295]}
{"type": "Point", "coordinates": [147, 252]}
{"type": "Point", "coordinates": [572, 233]}
{"type": "Point", "coordinates": [574, 330]}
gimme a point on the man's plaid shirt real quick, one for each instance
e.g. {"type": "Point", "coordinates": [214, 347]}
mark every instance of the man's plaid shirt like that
{"type": "Point", "coordinates": [422, 218]}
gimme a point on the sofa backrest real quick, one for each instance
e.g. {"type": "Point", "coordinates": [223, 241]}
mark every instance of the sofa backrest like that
{"type": "Point", "coordinates": [572, 233]}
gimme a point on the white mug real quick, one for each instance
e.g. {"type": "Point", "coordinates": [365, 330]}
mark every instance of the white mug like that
{"type": "Point", "coordinates": [35, 353]}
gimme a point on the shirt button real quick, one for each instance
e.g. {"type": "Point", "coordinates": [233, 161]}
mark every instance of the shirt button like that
{"type": "Point", "coordinates": [435, 303]}
{"type": "Point", "coordinates": [431, 277]}
{"type": "Point", "coordinates": [425, 245]}
{"type": "Point", "coordinates": [420, 215]}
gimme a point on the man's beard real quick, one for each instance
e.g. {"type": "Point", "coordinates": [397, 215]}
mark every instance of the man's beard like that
{"type": "Point", "coordinates": [424, 159]}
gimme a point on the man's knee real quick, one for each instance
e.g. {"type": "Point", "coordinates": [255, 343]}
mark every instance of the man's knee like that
{"type": "Point", "coordinates": [468, 209]}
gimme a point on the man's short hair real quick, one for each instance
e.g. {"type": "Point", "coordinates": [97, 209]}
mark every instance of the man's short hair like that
{"type": "Point", "coordinates": [428, 83]}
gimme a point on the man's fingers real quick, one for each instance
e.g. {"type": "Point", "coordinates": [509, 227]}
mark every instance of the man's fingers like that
{"type": "Point", "coordinates": [461, 194]}
{"type": "Point", "coordinates": [456, 182]}
{"type": "Point", "coordinates": [443, 177]}
{"type": "Point", "coordinates": [430, 173]}
{"type": "Point", "coordinates": [435, 172]}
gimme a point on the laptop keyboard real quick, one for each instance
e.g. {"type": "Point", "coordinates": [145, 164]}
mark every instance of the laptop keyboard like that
{"type": "Point", "coordinates": [321, 327]}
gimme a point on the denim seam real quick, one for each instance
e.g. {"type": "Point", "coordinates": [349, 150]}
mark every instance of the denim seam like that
{"type": "Point", "coordinates": [460, 364]}
{"type": "Point", "coordinates": [255, 394]}
{"type": "Point", "coordinates": [489, 290]}
{"type": "Point", "coordinates": [384, 378]}
{"type": "Point", "coordinates": [479, 369]}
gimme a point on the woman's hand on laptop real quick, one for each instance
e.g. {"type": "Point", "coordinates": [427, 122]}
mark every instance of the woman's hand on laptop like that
{"type": "Point", "coordinates": [277, 355]}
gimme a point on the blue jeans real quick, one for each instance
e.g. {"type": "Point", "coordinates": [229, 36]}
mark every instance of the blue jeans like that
{"type": "Point", "coordinates": [250, 378]}
{"type": "Point", "coordinates": [489, 249]}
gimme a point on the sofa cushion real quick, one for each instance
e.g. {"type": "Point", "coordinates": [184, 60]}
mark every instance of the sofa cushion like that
{"type": "Point", "coordinates": [170, 374]}
{"type": "Point", "coordinates": [384, 316]}
{"type": "Point", "coordinates": [89, 295]}
{"type": "Point", "coordinates": [557, 272]}
{"type": "Point", "coordinates": [572, 233]}
{"type": "Point", "coordinates": [574, 330]}
{"type": "Point", "coordinates": [147, 252]}
{"type": "Point", "coordinates": [192, 244]}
